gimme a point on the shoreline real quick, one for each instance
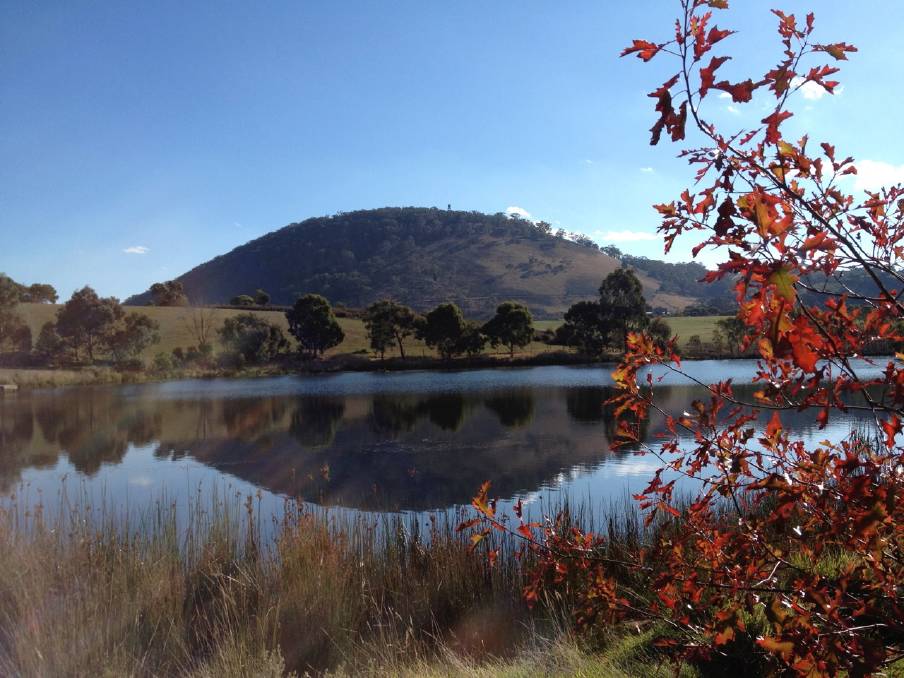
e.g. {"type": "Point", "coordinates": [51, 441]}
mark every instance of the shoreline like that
{"type": "Point", "coordinates": [26, 378]}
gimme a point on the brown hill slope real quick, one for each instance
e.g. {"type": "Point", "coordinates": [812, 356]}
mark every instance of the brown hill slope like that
{"type": "Point", "coordinates": [419, 256]}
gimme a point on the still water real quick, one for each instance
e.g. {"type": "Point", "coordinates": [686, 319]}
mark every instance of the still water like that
{"type": "Point", "coordinates": [371, 442]}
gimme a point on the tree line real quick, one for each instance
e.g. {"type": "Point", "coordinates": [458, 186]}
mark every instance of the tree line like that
{"type": "Point", "coordinates": [89, 329]}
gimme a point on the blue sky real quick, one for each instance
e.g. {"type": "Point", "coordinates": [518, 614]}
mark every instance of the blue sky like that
{"type": "Point", "coordinates": [141, 139]}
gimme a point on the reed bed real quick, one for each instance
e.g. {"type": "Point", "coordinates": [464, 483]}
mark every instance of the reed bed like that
{"type": "Point", "coordinates": [219, 589]}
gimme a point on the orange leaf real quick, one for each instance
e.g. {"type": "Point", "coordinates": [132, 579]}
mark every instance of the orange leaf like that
{"type": "Point", "coordinates": [774, 426]}
{"type": "Point", "coordinates": [783, 648]}
{"type": "Point", "coordinates": [892, 427]}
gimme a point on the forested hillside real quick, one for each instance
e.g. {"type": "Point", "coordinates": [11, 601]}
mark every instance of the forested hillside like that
{"type": "Point", "coordinates": [419, 256]}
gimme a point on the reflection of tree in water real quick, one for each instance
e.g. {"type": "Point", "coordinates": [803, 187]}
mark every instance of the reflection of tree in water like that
{"type": "Point", "coordinates": [316, 419]}
{"type": "Point", "coordinates": [587, 405]}
{"type": "Point", "coordinates": [395, 414]}
{"type": "Point", "coordinates": [248, 418]}
{"type": "Point", "coordinates": [519, 442]}
{"type": "Point", "coordinates": [50, 421]}
{"type": "Point", "coordinates": [17, 430]}
{"type": "Point", "coordinates": [514, 408]}
{"type": "Point", "coordinates": [16, 427]}
{"type": "Point", "coordinates": [446, 411]}
{"type": "Point", "coordinates": [92, 428]}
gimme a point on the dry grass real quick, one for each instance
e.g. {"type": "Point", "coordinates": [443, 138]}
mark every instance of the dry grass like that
{"type": "Point", "coordinates": [216, 592]}
{"type": "Point", "coordinates": [84, 594]}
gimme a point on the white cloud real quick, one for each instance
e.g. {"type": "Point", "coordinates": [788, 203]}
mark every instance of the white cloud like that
{"type": "Point", "coordinates": [136, 249]}
{"type": "Point", "coordinates": [515, 211]}
{"type": "Point", "coordinates": [875, 174]}
{"type": "Point", "coordinates": [588, 161]}
{"type": "Point", "coordinates": [733, 110]}
{"type": "Point", "coordinates": [626, 236]}
{"type": "Point", "coordinates": [809, 89]}
{"type": "Point", "coordinates": [646, 170]}
{"type": "Point", "coordinates": [724, 95]}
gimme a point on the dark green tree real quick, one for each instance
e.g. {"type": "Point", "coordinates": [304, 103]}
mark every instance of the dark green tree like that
{"type": "Point", "coordinates": [169, 293]}
{"type": "Point", "coordinates": [442, 329]}
{"type": "Point", "coordinates": [583, 328]}
{"type": "Point", "coordinates": [622, 306]}
{"type": "Point", "coordinates": [88, 321]}
{"type": "Point", "coordinates": [734, 332]}
{"type": "Point", "coordinates": [41, 293]}
{"type": "Point", "coordinates": [132, 335]}
{"type": "Point", "coordinates": [253, 338]}
{"type": "Point", "coordinates": [261, 298]}
{"type": "Point", "coordinates": [472, 339]}
{"type": "Point", "coordinates": [313, 324]}
{"type": "Point", "coordinates": [10, 292]}
{"type": "Point", "coordinates": [512, 326]}
{"type": "Point", "coordinates": [242, 300]}
{"type": "Point", "coordinates": [660, 331]}
{"type": "Point", "coordinates": [49, 346]}
{"type": "Point", "coordinates": [15, 335]}
{"type": "Point", "coordinates": [694, 344]}
{"type": "Point", "coordinates": [388, 323]}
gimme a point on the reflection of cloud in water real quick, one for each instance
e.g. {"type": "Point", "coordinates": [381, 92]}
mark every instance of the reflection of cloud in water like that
{"type": "Point", "coordinates": [634, 467]}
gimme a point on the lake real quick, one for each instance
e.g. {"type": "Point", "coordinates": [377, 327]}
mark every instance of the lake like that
{"type": "Point", "coordinates": [363, 442]}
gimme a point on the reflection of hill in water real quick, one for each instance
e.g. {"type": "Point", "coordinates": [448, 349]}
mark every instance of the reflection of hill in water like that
{"type": "Point", "coordinates": [380, 452]}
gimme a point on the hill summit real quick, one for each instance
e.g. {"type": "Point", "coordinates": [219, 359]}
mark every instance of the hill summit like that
{"type": "Point", "coordinates": [418, 256]}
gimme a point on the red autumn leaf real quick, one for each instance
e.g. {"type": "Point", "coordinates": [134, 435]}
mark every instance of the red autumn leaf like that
{"type": "Point", "coordinates": [804, 355]}
{"type": "Point", "coordinates": [814, 242]}
{"type": "Point", "coordinates": [717, 34]}
{"type": "Point", "coordinates": [892, 427]}
{"type": "Point", "coordinates": [772, 122]}
{"type": "Point", "coordinates": [707, 74]}
{"type": "Point", "coordinates": [837, 50]}
{"type": "Point", "coordinates": [741, 92]}
{"type": "Point", "coordinates": [644, 49]}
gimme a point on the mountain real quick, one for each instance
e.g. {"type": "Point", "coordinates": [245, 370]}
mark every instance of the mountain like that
{"type": "Point", "coordinates": [421, 257]}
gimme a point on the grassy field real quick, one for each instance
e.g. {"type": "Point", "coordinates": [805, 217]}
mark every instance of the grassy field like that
{"type": "Point", "coordinates": [176, 329]}
{"type": "Point", "coordinates": [687, 326]}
